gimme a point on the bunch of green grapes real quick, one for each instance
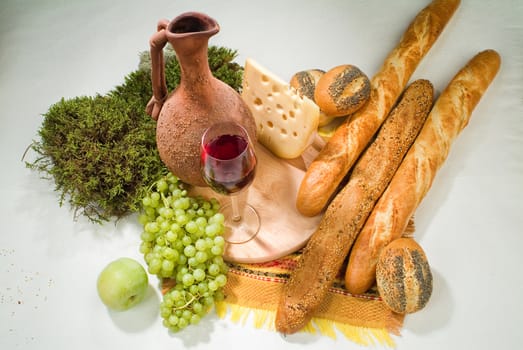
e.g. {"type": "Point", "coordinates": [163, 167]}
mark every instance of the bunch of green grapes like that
{"type": "Point", "coordinates": [182, 240]}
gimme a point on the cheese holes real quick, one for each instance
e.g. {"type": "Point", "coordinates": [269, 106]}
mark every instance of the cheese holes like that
{"type": "Point", "coordinates": [258, 103]}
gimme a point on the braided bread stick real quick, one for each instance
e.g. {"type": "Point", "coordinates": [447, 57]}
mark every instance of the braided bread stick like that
{"type": "Point", "coordinates": [332, 164]}
{"type": "Point", "coordinates": [389, 218]}
{"type": "Point", "coordinates": [329, 245]}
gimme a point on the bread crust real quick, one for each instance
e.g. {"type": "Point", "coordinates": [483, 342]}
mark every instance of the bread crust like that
{"type": "Point", "coordinates": [342, 90]}
{"type": "Point", "coordinates": [326, 172]}
{"type": "Point", "coordinates": [389, 218]}
{"type": "Point", "coordinates": [403, 276]}
{"type": "Point", "coordinates": [305, 83]}
{"type": "Point", "coordinates": [329, 245]}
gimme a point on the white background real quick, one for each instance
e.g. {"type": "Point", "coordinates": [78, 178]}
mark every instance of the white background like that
{"type": "Point", "coordinates": [470, 223]}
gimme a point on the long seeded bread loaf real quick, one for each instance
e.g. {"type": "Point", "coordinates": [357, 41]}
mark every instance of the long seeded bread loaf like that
{"type": "Point", "coordinates": [329, 245]}
{"type": "Point", "coordinates": [324, 175]}
{"type": "Point", "coordinates": [389, 218]}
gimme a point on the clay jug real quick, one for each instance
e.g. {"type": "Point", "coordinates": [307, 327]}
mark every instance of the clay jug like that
{"type": "Point", "coordinates": [198, 101]}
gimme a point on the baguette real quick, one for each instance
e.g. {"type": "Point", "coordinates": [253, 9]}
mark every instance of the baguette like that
{"type": "Point", "coordinates": [414, 177]}
{"type": "Point", "coordinates": [329, 245]}
{"type": "Point", "coordinates": [323, 177]}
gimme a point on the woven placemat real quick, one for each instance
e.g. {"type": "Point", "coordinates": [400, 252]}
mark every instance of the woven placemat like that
{"type": "Point", "coordinates": [253, 290]}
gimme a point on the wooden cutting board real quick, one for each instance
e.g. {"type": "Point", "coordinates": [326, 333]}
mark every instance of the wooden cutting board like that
{"type": "Point", "coordinates": [273, 193]}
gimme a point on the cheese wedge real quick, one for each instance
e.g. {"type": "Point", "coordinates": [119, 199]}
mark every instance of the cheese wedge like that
{"type": "Point", "coordinates": [286, 122]}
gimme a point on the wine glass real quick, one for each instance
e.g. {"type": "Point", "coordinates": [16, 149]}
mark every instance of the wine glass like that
{"type": "Point", "coordinates": [228, 165]}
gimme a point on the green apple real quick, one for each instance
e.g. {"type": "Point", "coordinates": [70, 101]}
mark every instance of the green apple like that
{"type": "Point", "coordinates": [122, 284]}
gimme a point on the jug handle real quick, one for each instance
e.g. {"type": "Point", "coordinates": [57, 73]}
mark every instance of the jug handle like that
{"type": "Point", "coordinates": [157, 42]}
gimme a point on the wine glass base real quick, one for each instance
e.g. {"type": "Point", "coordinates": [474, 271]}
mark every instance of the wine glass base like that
{"type": "Point", "coordinates": [242, 230]}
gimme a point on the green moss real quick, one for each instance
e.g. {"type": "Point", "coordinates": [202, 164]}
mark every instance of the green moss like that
{"type": "Point", "coordinates": [101, 150]}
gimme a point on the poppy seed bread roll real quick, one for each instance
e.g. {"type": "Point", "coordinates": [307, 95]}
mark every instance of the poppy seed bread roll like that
{"type": "Point", "coordinates": [403, 276]}
{"type": "Point", "coordinates": [305, 82]}
{"type": "Point", "coordinates": [342, 90]}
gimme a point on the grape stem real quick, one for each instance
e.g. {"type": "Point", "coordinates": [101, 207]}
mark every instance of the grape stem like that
{"type": "Point", "coordinates": [193, 298]}
{"type": "Point", "coordinates": [164, 200]}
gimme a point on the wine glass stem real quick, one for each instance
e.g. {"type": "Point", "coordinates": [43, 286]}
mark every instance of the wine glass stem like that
{"type": "Point", "coordinates": [235, 209]}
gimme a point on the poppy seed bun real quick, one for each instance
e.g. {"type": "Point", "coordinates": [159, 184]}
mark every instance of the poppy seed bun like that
{"type": "Point", "coordinates": [403, 276]}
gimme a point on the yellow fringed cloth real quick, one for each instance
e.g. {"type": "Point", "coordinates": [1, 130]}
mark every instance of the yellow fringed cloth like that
{"type": "Point", "coordinates": [253, 290]}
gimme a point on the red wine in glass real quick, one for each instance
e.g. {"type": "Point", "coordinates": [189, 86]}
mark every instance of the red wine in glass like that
{"type": "Point", "coordinates": [228, 163]}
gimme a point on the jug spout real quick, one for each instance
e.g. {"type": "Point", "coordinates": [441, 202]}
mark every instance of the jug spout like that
{"type": "Point", "coordinates": [188, 34]}
{"type": "Point", "coordinates": [193, 23]}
